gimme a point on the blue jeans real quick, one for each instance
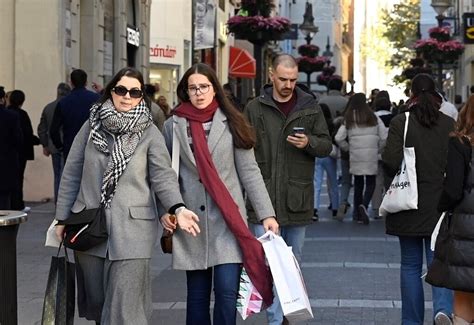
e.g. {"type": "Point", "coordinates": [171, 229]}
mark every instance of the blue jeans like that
{"type": "Point", "coordinates": [411, 284]}
{"type": "Point", "coordinates": [58, 165]}
{"type": "Point", "coordinates": [226, 288]}
{"type": "Point", "coordinates": [346, 180]}
{"type": "Point", "coordinates": [329, 165]}
{"type": "Point", "coordinates": [294, 237]}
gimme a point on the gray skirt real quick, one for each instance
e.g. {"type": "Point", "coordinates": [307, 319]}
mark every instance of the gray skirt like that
{"type": "Point", "coordinates": [113, 292]}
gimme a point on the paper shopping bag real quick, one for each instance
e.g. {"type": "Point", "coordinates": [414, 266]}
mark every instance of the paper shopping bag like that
{"type": "Point", "coordinates": [287, 278]}
{"type": "Point", "coordinates": [59, 299]}
{"type": "Point", "coordinates": [249, 300]}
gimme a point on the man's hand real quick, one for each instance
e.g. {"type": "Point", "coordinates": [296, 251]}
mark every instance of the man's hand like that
{"type": "Point", "coordinates": [46, 152]}
{"type": "Point", "coordinates": [299, 140]}
{"type": "Point", "coordinates": [271, 224]}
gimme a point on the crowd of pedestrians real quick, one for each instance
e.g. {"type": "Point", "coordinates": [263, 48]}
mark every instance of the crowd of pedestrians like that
{"type": "Point", "coordinates": [244, 170]}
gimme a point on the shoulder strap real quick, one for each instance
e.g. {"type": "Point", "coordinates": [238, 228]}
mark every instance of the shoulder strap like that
{"type": "Point", "coordinates": [407, 117]}
{"type": "Point", "coordinates": [175, 151]}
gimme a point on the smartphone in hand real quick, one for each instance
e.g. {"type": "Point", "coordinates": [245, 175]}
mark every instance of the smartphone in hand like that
{"type": "Point", "coordinates": [297, 129]}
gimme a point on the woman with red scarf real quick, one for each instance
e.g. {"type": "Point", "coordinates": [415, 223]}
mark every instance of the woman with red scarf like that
{"type": "Point", "coordinates": [217, 166]}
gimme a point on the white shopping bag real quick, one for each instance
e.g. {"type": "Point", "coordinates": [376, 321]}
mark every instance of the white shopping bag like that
{"type": "Point", "coordinates": [287, 278]}
{"type": "Point", "coordinates": [403, 191]}
{"type": "Point", "coordinates": [435, 233]}
{"type": "Point", "coordinates": [51, 238]}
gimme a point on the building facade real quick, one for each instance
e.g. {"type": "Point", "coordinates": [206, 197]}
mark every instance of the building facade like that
{"type": "Point", "coordinates": [41, 44]}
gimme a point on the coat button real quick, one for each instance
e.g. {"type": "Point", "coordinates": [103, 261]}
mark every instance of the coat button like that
{"type": "Point", "coordinates": [202, 208]}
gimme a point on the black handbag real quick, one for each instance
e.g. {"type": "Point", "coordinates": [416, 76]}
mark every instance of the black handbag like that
{"type": "Point", "coordinates": [59, 298]}
{"type": "Point", "coordinates": [86, 229]}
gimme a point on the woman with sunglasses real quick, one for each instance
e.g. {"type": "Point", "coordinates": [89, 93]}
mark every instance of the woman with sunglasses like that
{"type": "Point", "coordinates": [217, 165]}
{"type": "Point", "coordinates": [119, 160]}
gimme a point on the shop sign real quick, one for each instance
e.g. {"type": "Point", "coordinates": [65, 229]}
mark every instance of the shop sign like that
{"type": "Point", "coordinates": [133, 36]}
{"type": "Point", "coordinates": [468, 31]}
{"type": "Point", "coordinates": [167, 51]}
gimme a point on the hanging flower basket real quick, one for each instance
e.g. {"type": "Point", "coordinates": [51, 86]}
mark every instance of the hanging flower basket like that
{"type": "Point", "coordinates": [308, 50]}
{"type": "Point", "coordinates": [326, 75]}
{"type": "Point", "coordinates": [433, 50]}
{"type": "Point", "coordinates": [441, 34]}
{"type": "Point", "coordinates": [258, 28]}
{"type": "Point", "coordinates": [307, 64]}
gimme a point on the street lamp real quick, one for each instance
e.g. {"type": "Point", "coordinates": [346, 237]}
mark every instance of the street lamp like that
{"type": "Point", "coordinates": [440, 6]}
{"type": "Point", "coordinates": [309, 30]}
{"type": "Point", "coordinates": [328, 54]}
{"type": "Point", "coordinates": [307, 27]}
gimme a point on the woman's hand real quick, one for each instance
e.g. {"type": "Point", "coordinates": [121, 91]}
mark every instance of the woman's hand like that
{"type": "Point", "coordinates": [187, 221]}
{"type": "Point", "coordinates": [59, 230]}
{"type": "Point", "coordinates": [271, 224]}
{"type": "Point", "coordinates": [168, 221]}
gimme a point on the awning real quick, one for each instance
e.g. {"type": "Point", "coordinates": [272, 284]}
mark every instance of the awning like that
{"type": "Point", "coordinates": [241, 63]}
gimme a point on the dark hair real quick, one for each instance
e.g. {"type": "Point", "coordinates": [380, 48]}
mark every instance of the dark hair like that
{"type": "Point", "coordinates": [150, 90]}
{"type": "Point", "coordinates": [335, 84]}
{"type": "Point", "coordinates": [63, 89]}
{"type": "Point", "coordinates": [471, 89]}
{"type": "Point", "coordinates": [17, 98]}
{"type": "Point", "coordinates": [78, 78]}
{"type": "Point", "coordinates": [457, 99]}
{"type": "Point", "coordinates": [328, 117]}
{"type": "Point", "coordinates": [382, 104]}
{"type": "Point", "coordinates": [2, 92]}
{"type": "Point", "coordinates": [124, 72]}
{"type": "Point", "coordinates": [465, 123]}
{"type": "Point", "coordinates": [242, 132]}
{"type": "Point", "coordinates": [358, 112]}
{"type": "Point", "coordinates": [425, 101]}
{"type": "Point", "coordinates": [227, 87]}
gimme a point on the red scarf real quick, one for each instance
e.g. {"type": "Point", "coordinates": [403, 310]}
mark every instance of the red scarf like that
{"type": "Point", "coordinates": [252, 250]}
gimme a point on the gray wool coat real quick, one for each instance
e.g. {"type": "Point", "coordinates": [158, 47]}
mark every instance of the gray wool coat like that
{"type": "Point", "coordinates": [239, 171]}
{"type": "Point", "coordinates": [132, 220]}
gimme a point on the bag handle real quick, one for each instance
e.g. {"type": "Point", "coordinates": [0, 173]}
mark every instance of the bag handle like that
{"type": "Point", "coordinates": [175, 152]}
{"type": "Point", "coordinates": [65, 250]}
{"type": "Point", "coordinates": [407, 117]}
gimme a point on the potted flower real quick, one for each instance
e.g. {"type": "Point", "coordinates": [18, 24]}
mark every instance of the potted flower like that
{"type": "Point", "coordinates": [451, 50]}
{"type": "Point", "coordinates": [258, 28]}
{"type": "Point", "coordinates": [308, 50]}
{"type": "Point", "coordinates": [440, 34]}
{"type": "Point", "coordinates": [308, 64]}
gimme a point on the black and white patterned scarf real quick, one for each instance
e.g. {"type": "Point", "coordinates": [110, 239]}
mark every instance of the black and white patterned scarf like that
{"type": "Point", "coordinates": [127, 129]}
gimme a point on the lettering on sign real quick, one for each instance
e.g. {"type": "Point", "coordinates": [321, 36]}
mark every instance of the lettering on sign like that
{"type": "Point", "coordinates": [133, 36]}
{"type": "Point", "coordinates": [163, 52]}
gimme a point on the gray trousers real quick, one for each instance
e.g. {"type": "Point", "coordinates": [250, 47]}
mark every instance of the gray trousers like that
{"type": "Point", "coordinates": [113, 292]}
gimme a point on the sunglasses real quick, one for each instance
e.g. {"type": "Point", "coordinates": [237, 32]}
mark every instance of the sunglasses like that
{"type": "Point", "coordinates": [122, 91]}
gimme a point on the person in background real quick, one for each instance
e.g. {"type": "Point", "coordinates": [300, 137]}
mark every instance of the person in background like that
{"type": "Point", "coordinates": [373, 94]}
{"type": "Point", "coordinates": [49, 149]}
{"type": "Point", "coordinates": [165, 107]}
{"type": "Point", "coordinates": [363, 134]}
{"type": "Point", "coordinates": [329, 165]}
{"type": "Point", "coordinates": [217, 166]}
{"type": "Point", "coordinates": [334, 99]}
{"type": "Point", "coordinates": [458, 102]}
{"type": "Point", "coordinates": [72, 112]}
{"type": "Point", "coordinates": [286, 157]}
{"type": "Point", "coordinates": [11, 142]}
{"type": "Point", "coordinates": [16, 100]}
{"type": "Point", "coordinates": [457, 270]}
{"type": "Point", "coordinates": [428, 132]}
{"type": "Point", "coordinates": [119, 161]}
{"type": "Point", "coordinates": [156, 112]}
{"type": "Point", "coordinates": [448, 108]}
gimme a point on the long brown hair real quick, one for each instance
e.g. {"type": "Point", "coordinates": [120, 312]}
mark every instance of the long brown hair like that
{"type": "Point", "coordinates": [359, 113]}
{"type": "Point", "coordinates": [465, 123]}
{"type": "Point", "coordinates": [242, 132]}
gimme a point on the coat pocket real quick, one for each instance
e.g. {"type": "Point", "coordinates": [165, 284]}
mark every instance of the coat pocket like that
{"type": "Point", "coordinates": [143, 213]}
{"type": "Point", "coordinates": [300, 196]}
